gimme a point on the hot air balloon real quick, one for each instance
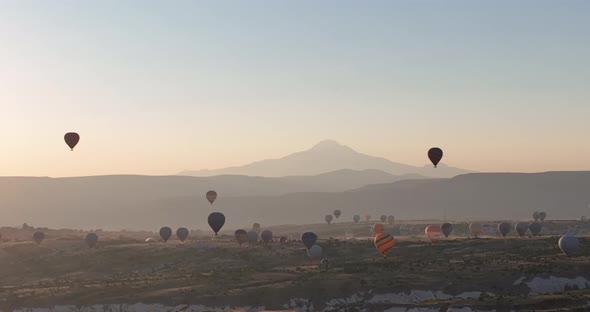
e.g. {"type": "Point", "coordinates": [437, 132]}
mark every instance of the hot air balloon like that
{"type": "Point", "coordinates": [521, 228]}
{"type": "Point", "coordinates": [535, 227]}
{"type": "Point", "coordinates": [368, 217]}
{"type": "Point", "coordinates": [378, 228]}
{"type": "Point", "coordinates": [390, 220]}
{"type": "Point", "coordinates": [435, 154]}
{"type": "Point", "coordinates": [315, 252]}
{"type": "Point", "coordinates": [256, 227]}
{"type": "Point", "coordinates": [182, 234]}
{"type": "Point", "coordinates": [433, 233]}
{"type": "Point", "coordinates": [536, 215]}
{"type": "Point", "coordinates": [252, 236]}
{"type": "Point", "coordinates": [337, 213]}
{"type": "Point", "coordinates": [211, 196]}
{"type": "Point", "coordinates": [328, 218]}
{"type": "Point", "coordinates": [266, 236]}
{"type": "Point", "coordinates": [308, 239]}
{"type": "Point", "coordinates": [475, 229]}
{"type": "Point", "coordinates": [356, 218]}
{"type": "Point", "coordinates": [165, 233]}
{"type": "Point", "coordinates": [91, 239]}
{"type": "Point", "coordinates": [384, 242]}
{"type": "Point", "coordinates": [569, 245]}
{"type": "Point", "coordinates": [542, 216]}
{"type": "Point", "coordinates": [38, 237]}
{"type": "Point", "coordinates": [446, 229]}
{"type": "Point", "coordinates": [72, 139]}
{"type": "Point", "coordinates": [241, 236]}
{"type": "Point", "coordinates": [383, 218]}
{"type": "Point", "coordinates": [216, 221]}
{"type": "Point", "coordinates": [504, 228]}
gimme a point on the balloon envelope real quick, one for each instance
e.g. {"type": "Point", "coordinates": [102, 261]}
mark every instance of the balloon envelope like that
{"type": "Point", "coordinates": [91, 239]}
{"type": "Point", "coordinates": [390, 220]}
{"type": "Point", "coordinates": [308, 239]}
{"type": "Point", "coordinates": [378, 228]}
{"type": "Point", "coordinates": [504, 228]}
{"type": "Point", "coordinates": [211, 196]}
{"type": "Point", "coordinates": [521, 228]}
{"type": "Point", "coordinates": [535, 227]}
{"type": "Point", "coordinates": [435, 154]}
{"type": "Point", "coordinates": [569, 245]}
{"type": "Point", "coordinates": [356, 218]}
{"type": "Point", "coordinates": [241, 236]}
{"type": "Point", "coordinates": [337, 213]}
{"type": "Point", "coordinates": [182, 234]}
{"type": "Point", "coordinates": [252, 236]}
{"type": "Point", "coordinates": [328, 218]}
{"type": "Point", "coordinates": [536, 215]}
{"type": "Point", "coordinates": [475, 229]}
{"type": "Point", "coordinates": [446, 229]}
{"type": "Point", "coordinates": [384, 242]}
{"type": "Point", "coordinates": [165, 233]}
{"type": "Point", "coordinates": [256, 227]}
{"type": "Point", "coordinates": [38, 237]}
{"type": "Point", "coordinates": [383, 218]}
{"type": "Point", "coordinates": [433, 232]}
{"type": "Point", "coordinates": [216, 221]}
{"type": "Point", "coordinates": [72, 139]}
{"type": "Point", "coordinates": [266, 236]}
{"type": "Point", "coordinates": [315, 252]}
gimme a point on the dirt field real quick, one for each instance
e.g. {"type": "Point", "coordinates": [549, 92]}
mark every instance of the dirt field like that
{"type": "Point", "coordinates": [481, 273]}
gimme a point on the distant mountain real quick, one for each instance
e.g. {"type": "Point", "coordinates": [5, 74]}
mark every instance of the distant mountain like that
{"type": "Point", "coordinates": [136, 202]}
{"type": "Point", "coordinates": [327, 156]}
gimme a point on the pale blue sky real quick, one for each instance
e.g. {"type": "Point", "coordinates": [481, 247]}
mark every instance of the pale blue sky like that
{"type": "Point", "coordinates": [156, 87]}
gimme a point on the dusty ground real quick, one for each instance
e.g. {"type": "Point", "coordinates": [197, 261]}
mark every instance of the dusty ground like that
{"type": "Point", "coordinates": [220, 273]}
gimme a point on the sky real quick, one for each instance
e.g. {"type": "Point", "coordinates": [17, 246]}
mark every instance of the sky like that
{"type": "Point", "coordinates": [156, 87]}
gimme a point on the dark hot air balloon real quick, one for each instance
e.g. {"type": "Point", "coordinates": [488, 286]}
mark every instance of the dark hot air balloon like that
{"type": "Point", "coordinates": [252, 236]}
{"type": "Point", "coordinates": [256, 227]}
{"type": "Point", "coordinates": [536, 215]}
{"type": "Point", "coordinates": [266, 236]}
{"type": "Point", "coordinates": [182, 234]}
{"type": "Point", "coordinates": [241, 236]}
{"type": "Point", "coordinates": [390, 220]}
{"type": "Point", "coordinates": [446, 229]}
{"type": "Point", "coordinates": [165, 233]}
{"type": "Point", "coordinates": [435, 154]}
{"type": "Point", "coordinates": [535, 227]}
{"type": "Point", "coordinates": [337, 213]}
{"type": "Point", "coordinates": [383, 218]}
{"type": "Point", "coordinates": [211, 196]}
{"type": "Point", "coordinates": [569, 245]}
{"type": "Point", "coordinates": [91, 239]}
{"type": "Point", "coordinates": [504, 228]}
{"type": "Point", "coordinates": [475, 229]}
{"type": "Point", "coordinates": [38, 237]}
{"type": "Point", "coordinates": [72, 139]}
{"type": "Point", "coordinates": [521, 228]}
{"type": "Point", "coordinates": [328, 218]}
{"type": "Point", "coordinates": [216, 221]}
{"type": "Point", "coordinates": [356, 218]}
{"type": "Point", "coordinates": [308, 239]}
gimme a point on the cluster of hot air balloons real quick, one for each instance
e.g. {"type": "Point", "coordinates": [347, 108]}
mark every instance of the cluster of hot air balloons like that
{"type": "Point", "coordinates": [539, 215]}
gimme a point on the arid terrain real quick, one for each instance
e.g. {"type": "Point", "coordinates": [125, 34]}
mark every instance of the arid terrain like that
{"type": "Point", "coordinates": [461, 272]}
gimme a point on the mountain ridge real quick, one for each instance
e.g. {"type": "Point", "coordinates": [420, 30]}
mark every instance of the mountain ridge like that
{"type": "Point", "coordinates": [326, 156]}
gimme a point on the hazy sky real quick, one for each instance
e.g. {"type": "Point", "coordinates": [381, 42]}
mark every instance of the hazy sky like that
{"type": "Point", "coordinates": [155, 87]}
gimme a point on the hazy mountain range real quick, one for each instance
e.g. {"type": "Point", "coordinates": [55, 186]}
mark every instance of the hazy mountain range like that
{"type": "Point", "coordinates": [328, 156]}
{"type": "Point", "coordinates": [141, 202]}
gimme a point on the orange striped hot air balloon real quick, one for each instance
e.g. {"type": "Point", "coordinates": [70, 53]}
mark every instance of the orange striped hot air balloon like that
{"type": "Point", "coordinates": [378, 228]}
{"type": "Point", "coordinates": [433, 232]}
{"type": "Point", "coordinates": [384, 242]}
